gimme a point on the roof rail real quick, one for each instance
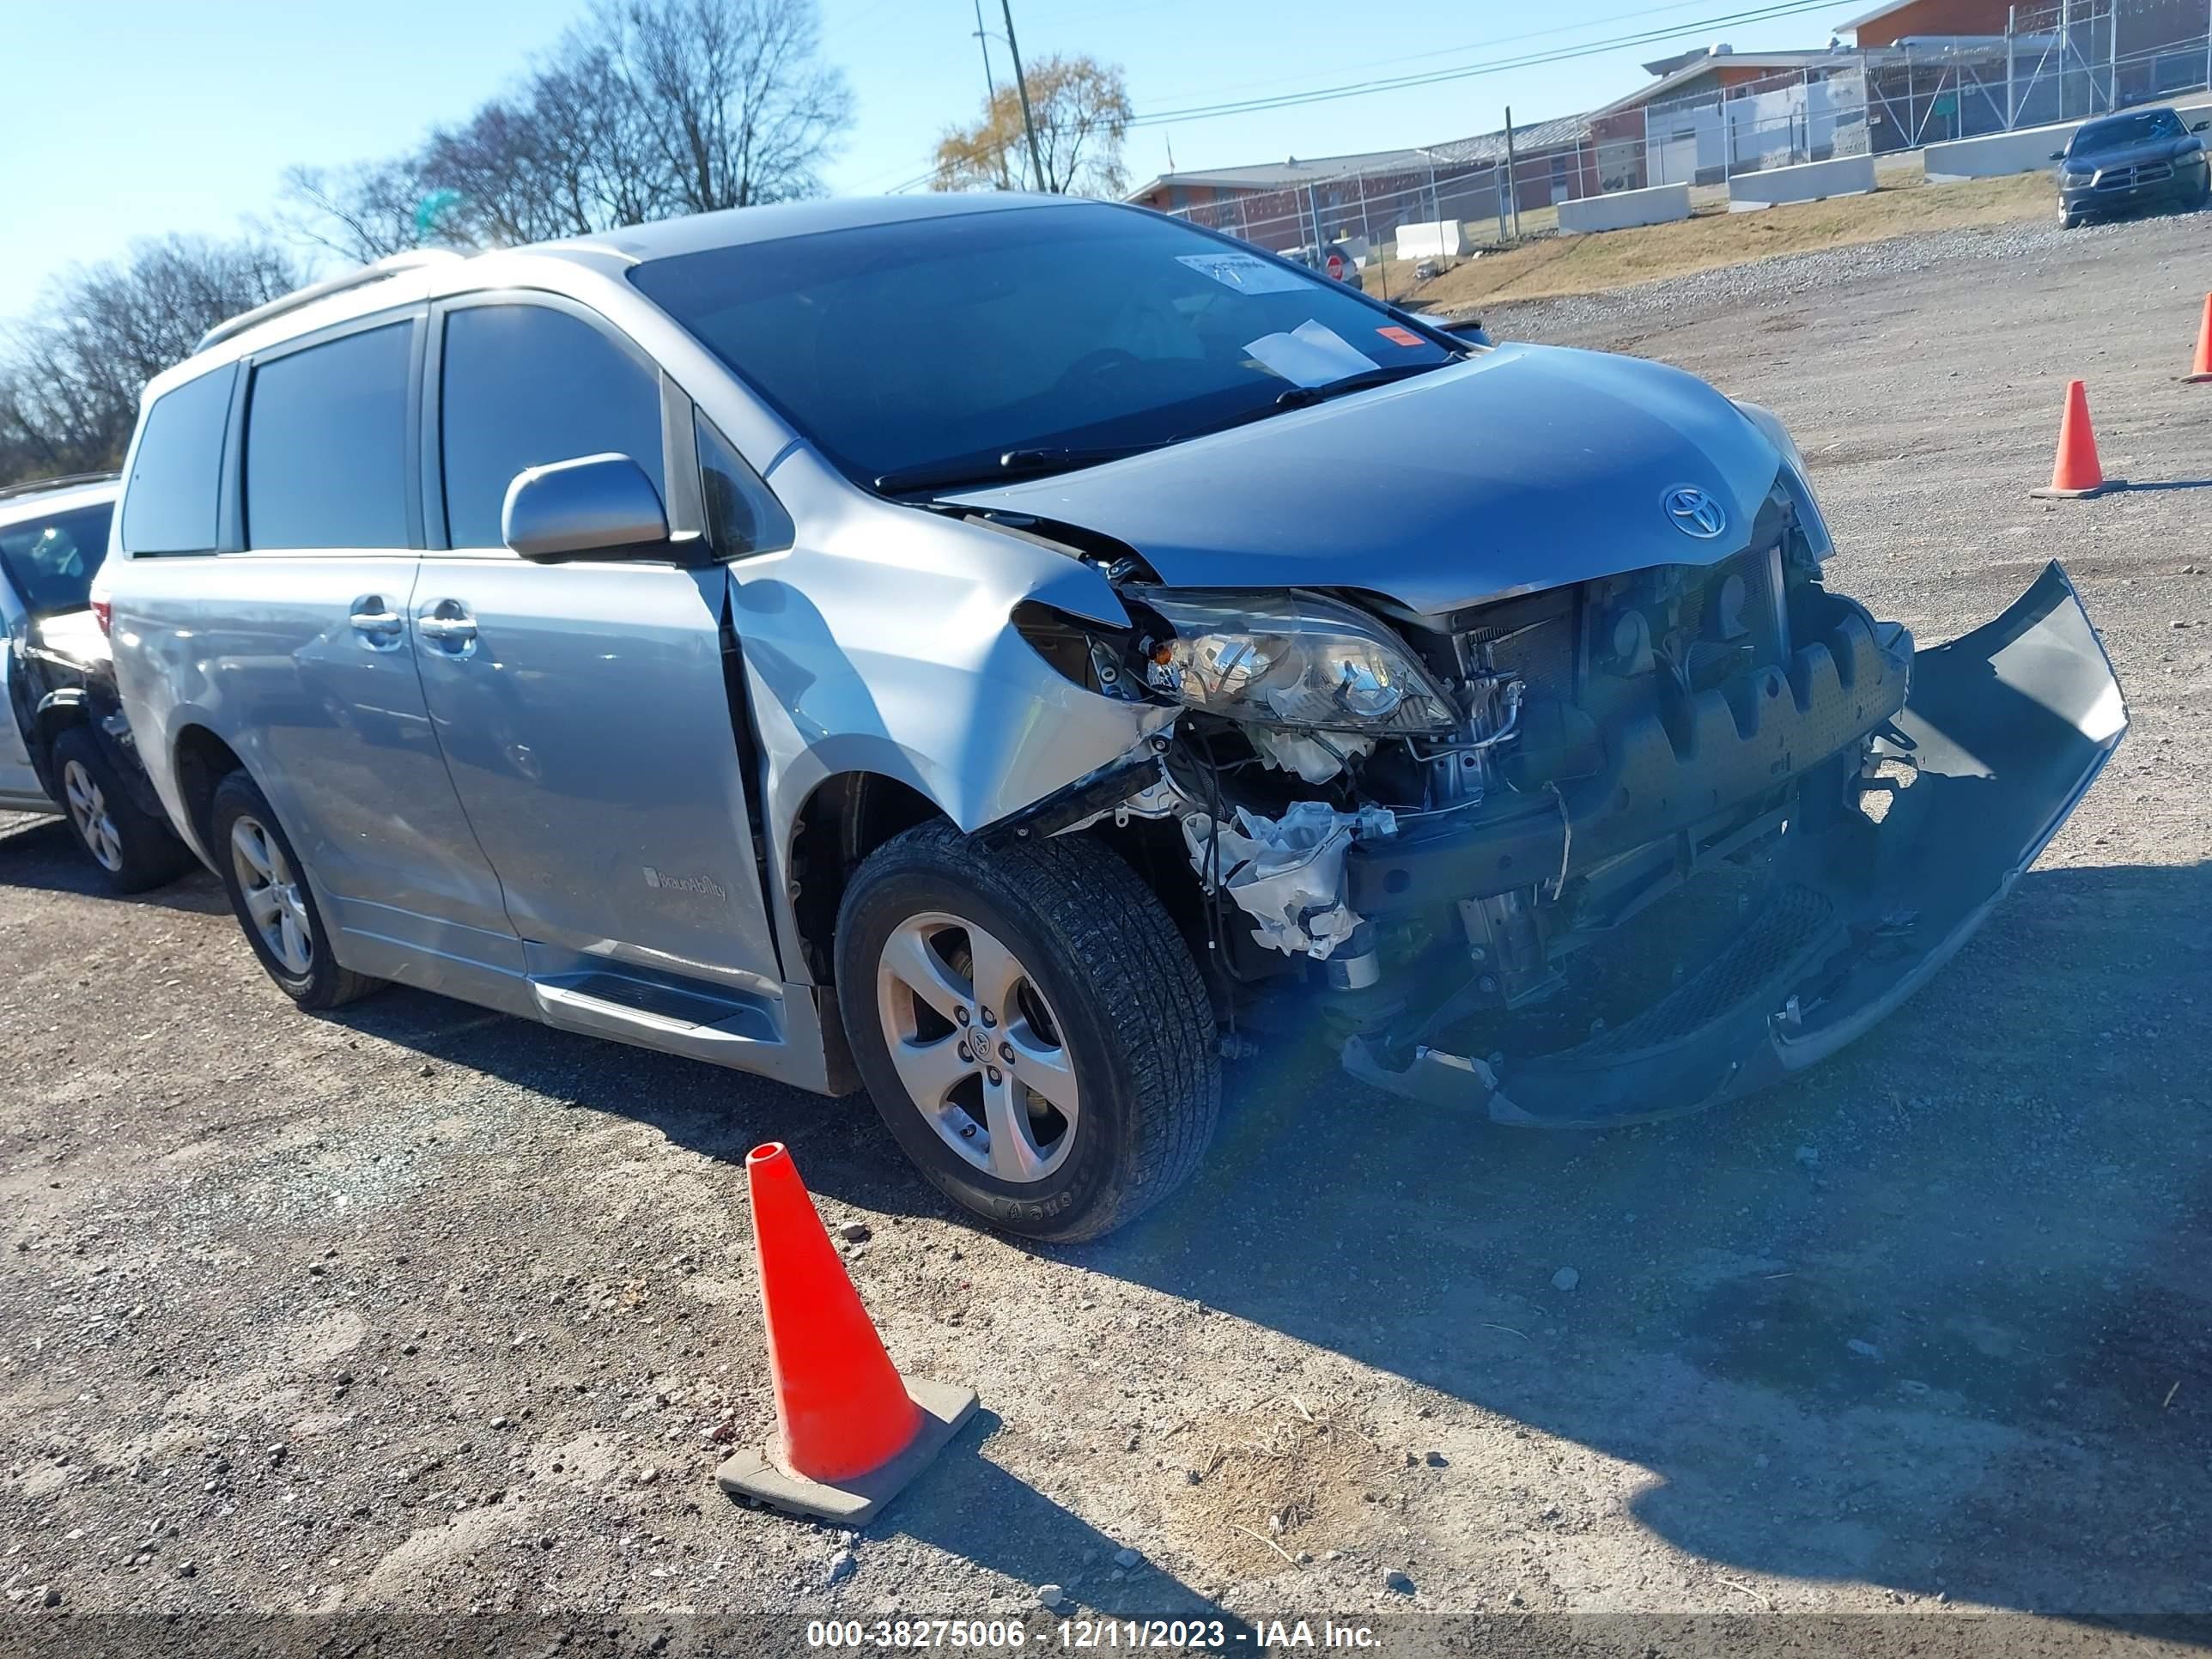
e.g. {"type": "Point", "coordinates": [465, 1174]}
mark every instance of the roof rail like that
{"type": "Point", "coordinates": [67, 480]}
{"type": "Point", "coordinates": [391, 266]}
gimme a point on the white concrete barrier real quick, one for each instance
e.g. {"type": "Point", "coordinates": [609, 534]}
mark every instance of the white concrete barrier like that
{"type": "Point", "coordinates": [1440, 240]}
{"type": "Point", "coordinates": [1812, 181]}
{"type": "Point", "coordinates": [1995, 155]}
{"type": "Point", "coordinates": [1660, 204]}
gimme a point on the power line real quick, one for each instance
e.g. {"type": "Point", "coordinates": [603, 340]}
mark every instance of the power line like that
{"type": "Point", "coordinates": [1457, 72]}
{"type": "Point", "coordinates": [1484, 45]}
{"type": "Point", "coordinates": [1466, 71]}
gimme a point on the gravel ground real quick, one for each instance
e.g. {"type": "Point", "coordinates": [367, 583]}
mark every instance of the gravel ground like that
{"type": "Point", "coordinates": [421, 1310]}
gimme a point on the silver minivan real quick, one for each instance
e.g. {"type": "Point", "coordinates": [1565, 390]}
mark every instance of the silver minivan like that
{"type": "Point", "coordinates": [1012, 653]}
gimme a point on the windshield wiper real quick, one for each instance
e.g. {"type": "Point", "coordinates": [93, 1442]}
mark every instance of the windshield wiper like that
{"type": "Point", "coordinates": [1300, 397]}
{"type": "Point", "coordinates": [1025, 462]}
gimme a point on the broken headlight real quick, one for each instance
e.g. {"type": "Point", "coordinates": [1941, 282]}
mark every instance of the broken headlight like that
{"type": "Point", "coordinates": [1810, 523]}
{"type": "Point", "coordinates": [1293, 660]}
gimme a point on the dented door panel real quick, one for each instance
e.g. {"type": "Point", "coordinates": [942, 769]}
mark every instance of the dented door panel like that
{"type": "Point", "coordinates": [882, 644]}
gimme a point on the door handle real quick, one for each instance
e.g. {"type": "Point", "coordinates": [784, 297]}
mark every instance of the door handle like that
{"type": "Point", "coordinates": [380, 626]}
{"type": "Point", "coordinates": [449, 625]}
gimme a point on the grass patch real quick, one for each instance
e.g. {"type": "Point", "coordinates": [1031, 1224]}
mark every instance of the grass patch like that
{"type": "Point", "coordinates": [1554, 266]}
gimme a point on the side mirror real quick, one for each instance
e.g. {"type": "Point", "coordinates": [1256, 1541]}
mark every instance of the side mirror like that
{"type": "Point", "coordinates": [595, 506]}
{"type": "Point", "coordinates": [2199, 127]}
{"type": "Point", "coordinates": [2057, 154]}
{"type": "Point", "coordinates": [1469, 329]}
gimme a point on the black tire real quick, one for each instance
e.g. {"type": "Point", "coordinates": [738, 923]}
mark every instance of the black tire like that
{"type": "Point", "coordinates": [2069, 221]}
{"type": "Point", "coordinates": [1133, 1018]}
{"type": "Point", "coordinates": [324, 984]}
{"type": "Point", "coordinates": [137, 851]}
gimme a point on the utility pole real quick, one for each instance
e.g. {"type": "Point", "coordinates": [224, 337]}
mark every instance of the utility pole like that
{"type": "Point", "coordinates": [1021, 81]}
{"type": "Point", "coordinates": [990, 91]}
{"type": "Point", "coordinates": [1512, 185]}
{"type": "Point", "coordinates": [2012, 105]}
{"type": "Point", "coordinates": [2112, 61]}
{"type": "Point", "coordinates": [2065, 49]}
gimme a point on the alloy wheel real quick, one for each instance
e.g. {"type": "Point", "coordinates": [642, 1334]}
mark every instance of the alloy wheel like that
{"type": "Point", "coordinates": [89, 811]}
{"type": "Point", "coordinates": [978, 1047]}
{"type": "Point", "coordinates": [273, 900]}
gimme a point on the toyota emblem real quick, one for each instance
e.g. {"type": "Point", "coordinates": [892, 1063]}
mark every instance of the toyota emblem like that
{"type": "Point", "coordinates": [1694, 512]}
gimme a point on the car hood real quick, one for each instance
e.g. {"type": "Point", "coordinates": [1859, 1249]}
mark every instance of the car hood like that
{"type": "Point", "coordinates": [1523, 468]}
{"type": "Point", "coordinates": [2128, 155]}
{"type": "Point", "coordinates": [73, 636]}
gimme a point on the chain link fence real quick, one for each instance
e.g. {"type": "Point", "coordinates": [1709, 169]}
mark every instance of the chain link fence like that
{"type": "Point", "coordinates": [2055, 62]}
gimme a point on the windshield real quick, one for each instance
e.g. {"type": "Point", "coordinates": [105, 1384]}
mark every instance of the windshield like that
{"type": "Point", "coordinates": [948, 346]}
{"type": "Point", "coordinates": [50, 561]}
{"type": "Point", "coordinates": [2128, 130]}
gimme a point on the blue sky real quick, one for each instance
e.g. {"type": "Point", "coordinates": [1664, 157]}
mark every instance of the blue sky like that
{"type": "Point", "coordinates": [134, 117]}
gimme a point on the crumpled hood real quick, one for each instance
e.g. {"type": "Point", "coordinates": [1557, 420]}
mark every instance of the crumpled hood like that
{"type": "Point", "coordinates": [1528, 467]}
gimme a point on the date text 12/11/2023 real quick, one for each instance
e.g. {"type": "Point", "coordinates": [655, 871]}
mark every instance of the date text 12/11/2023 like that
{"type": "Point", "coordinates": [1074, 1634]}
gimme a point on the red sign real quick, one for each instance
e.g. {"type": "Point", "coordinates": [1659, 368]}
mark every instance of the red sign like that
{"type": "Point", "coordinates": [1336, 266]}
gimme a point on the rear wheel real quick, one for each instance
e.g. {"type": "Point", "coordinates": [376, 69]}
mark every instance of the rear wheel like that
{"type": "Point", "coordinates": [269, 892]}
{"type": "Point", "coordinates": [134, 850]}
{"type": "Point", "coordinates": [1031, 1026]}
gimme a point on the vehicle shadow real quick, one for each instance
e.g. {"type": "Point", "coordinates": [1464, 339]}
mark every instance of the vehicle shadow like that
{"type": "Point", "coordinates": [1937, 1316]}
{"type": "Point", "coordinates": [39, 852]}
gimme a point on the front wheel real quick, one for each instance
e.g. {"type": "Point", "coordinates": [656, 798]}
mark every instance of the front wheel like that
{"type": "Point", "coordinates": [2069, 221]}
{"type": "Point", "coordinates": [1031, 1026]}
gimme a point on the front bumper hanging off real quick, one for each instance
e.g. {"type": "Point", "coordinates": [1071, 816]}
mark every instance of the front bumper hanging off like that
{"type": "Point", "coordinates": [2009, 726]}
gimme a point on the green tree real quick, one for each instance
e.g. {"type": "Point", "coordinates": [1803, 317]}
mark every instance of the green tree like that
{"type": "Point", "coordinates": [1082, 111]}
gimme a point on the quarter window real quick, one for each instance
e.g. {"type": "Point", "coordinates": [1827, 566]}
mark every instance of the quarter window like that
{"type": "Point", "coordinates": [526, 386]}
{"type": "Point", "coordinates": [326, 443]}
{"type": "Point", "coordinates": [176, 475]}
{"type": "Point", "coordinates": [742, 516]}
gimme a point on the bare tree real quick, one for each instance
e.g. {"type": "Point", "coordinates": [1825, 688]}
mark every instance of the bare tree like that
{"type": "Point", "coordinates": [70, 373]}
{"type": "Point", "coordinates": [651, 108]}
{"type": "Point", "coordinates": [362, 213]}
{"type": "Point", "coordinates": [1081, 108]}
{"type": "Point", "coordinates": [731, 93]}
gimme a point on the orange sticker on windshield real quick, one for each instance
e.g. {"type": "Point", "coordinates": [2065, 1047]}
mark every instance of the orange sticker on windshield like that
{"type": "Point", "coordinates": [1397, 335]}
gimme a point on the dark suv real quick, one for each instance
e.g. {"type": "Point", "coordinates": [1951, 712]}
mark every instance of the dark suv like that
{"type": "Point", "coordinates": [63, 743]}
{"type": "Point", "coordinates": [2145, 158]}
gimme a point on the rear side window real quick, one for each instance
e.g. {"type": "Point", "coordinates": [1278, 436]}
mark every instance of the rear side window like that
{"type": "Point", "coordinates": [326, 443]}
{"type": "Point", "coordinates": [176, 476]}
{"type": "Point", "coordinates": [526, 386]}
{"type": "Point", "coordinates": [49, 562]}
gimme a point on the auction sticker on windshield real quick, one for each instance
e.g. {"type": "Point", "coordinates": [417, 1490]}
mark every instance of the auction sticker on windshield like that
{"type": "Point", "coordinates": [1247, 273]}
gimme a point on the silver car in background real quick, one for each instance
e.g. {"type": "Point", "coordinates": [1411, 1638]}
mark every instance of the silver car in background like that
{"type": "Point", "coordinates": [984, 649]}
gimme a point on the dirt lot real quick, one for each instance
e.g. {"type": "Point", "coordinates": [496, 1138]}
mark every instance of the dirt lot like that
{"type": "Point", "coordinates": [421, 1311]}
{"type": "Point", "coordinates": [1547, 265]}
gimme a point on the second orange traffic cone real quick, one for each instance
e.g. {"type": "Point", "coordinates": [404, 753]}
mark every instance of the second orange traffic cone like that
{"type": "Point", "coordinates": [850, 1431]}
{"type": "Point", "coordinates": [2077, 472]}
{"type": "Point", "coordinates": [2202, 370]}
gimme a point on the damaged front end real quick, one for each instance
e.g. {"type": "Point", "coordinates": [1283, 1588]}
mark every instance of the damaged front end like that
{"type": "Point", "coordinates": [1598, 854]}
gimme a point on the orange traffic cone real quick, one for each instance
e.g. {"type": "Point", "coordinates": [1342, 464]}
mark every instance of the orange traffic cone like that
{"type": "Point", "coordinates": [2076, 473]}
{"type": "Point", "coordinates": [2202, 370]}
{"type": "Point", "coordinates": [851, 1433]}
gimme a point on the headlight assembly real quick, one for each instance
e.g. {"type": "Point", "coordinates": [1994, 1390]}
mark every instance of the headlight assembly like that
{"type": "Point", "coordinates": [1818, 544]}
{"type": "Point", "coordinates": [1293, 660]}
